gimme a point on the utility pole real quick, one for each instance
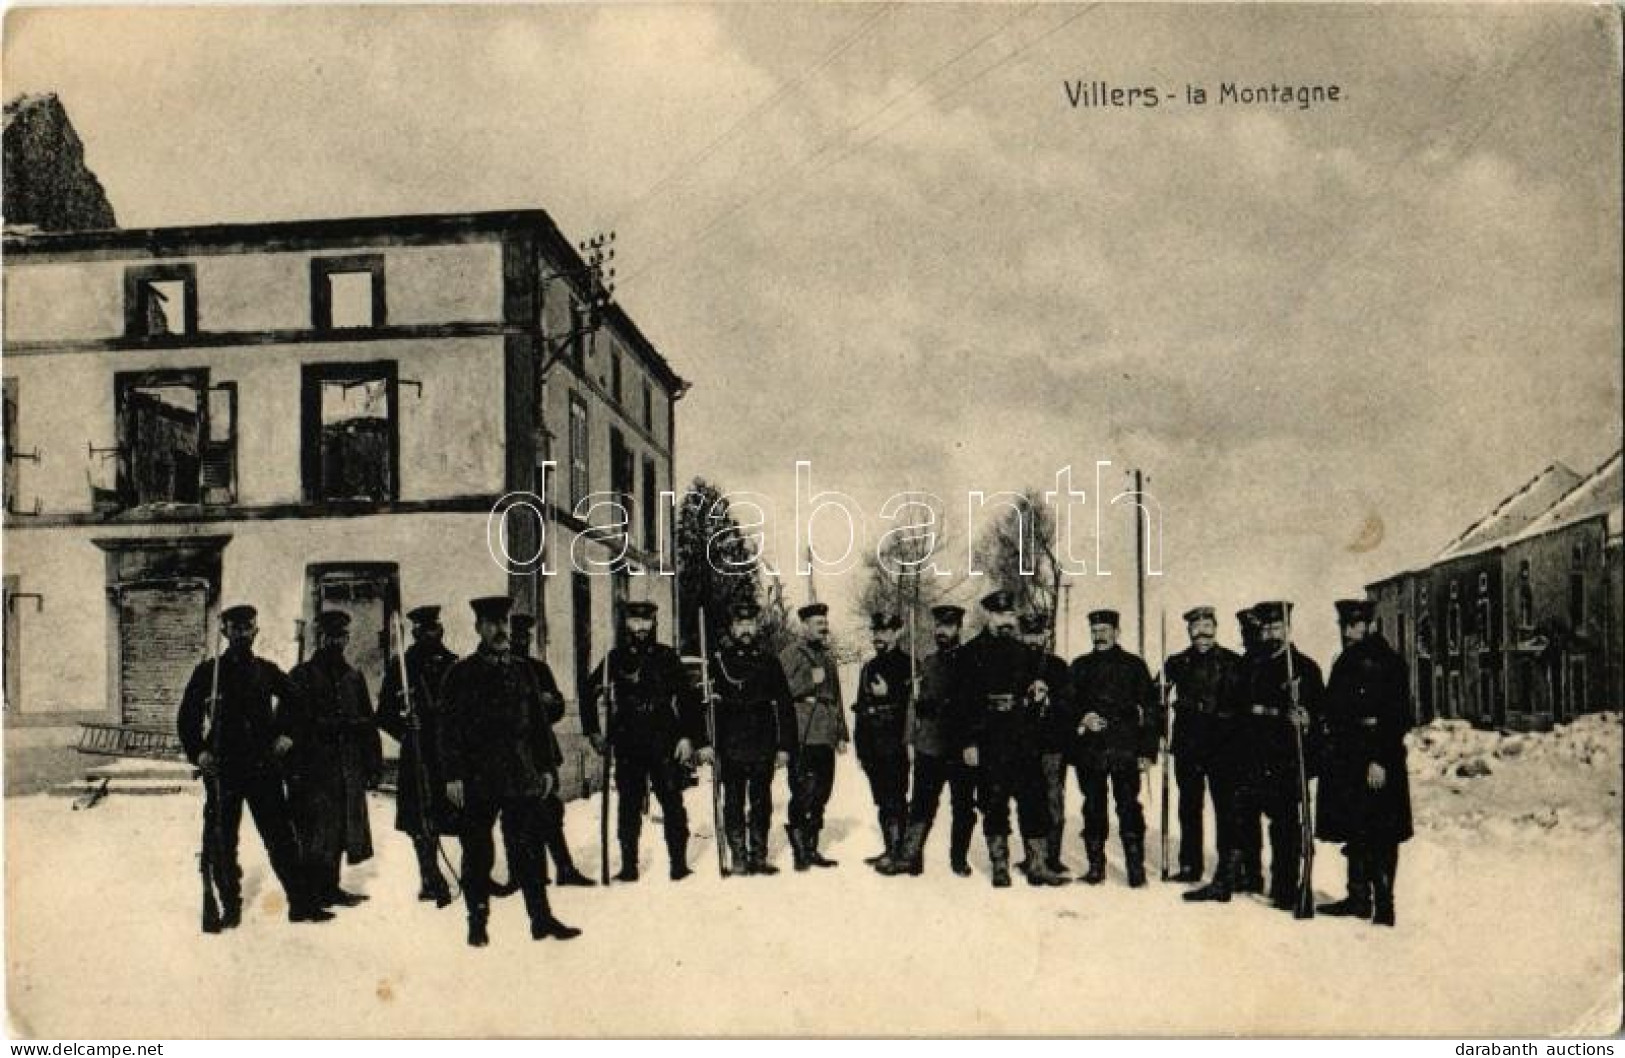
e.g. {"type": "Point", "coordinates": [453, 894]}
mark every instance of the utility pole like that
{"type": "Point", "coordinates": [1139, 562]}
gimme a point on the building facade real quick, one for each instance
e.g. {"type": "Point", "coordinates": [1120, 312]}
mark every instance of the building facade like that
{"type": "Point", "coordinates": [1517, 622]}
{"type": "Point", "coordinates": [308, 416]}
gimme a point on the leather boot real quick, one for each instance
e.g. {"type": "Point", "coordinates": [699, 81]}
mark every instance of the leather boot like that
{"type": "Point", "coordinates": [798, 847]}
{"type": "Point", "coordinates": [910, 858]}
{"type": "Point", "coordinates": [1386, 862]}
{"type": "Point", "coordinates": [814, 857]}
{"type": "Point", "coordinates": [1134, 860]}
{"type": "Point", "coordinates": [998, 853]}
{"type": "Point", "coordinates": [1038, 872]}
{"type": "Point", "coordinates": [432, 884]}
{"type": "Point", "coordinates": [542, 923]}
{"type": "Point", "coordinates": [1357, 904]}
{"type": "Point", "coordinates": [477, 937]}
{"type": "Point", "coordinates": [959, 846]}
{"type": "Point", "coordinates": [886, 839]}
{"type": "Point", "coordinates": [629, 861]}
{"type": "Point", "coordinates": [559, 849]}
{"type": "Point", "coordinates": [758, 855]}
{"type": "Point", "coordinates": [738, 860]}
{"type": "Point", "coordinates": [1096, 851]}
{"type": "Point", "coordinates": [677, 853]}
{"type": "Point", "coordinates": [1056, 865]}
{"type": "Point", "coordinates": [1225, 876]}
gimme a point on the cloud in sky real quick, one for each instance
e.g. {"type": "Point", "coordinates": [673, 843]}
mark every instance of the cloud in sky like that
{"type": "Point", "coordinates": [919, 267]}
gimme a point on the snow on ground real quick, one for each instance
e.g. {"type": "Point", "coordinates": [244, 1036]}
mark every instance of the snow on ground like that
{"type": "Point", "coordinates": [1509, 925]}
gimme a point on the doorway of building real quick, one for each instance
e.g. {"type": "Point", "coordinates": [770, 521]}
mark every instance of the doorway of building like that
{"type": "Point", "coordinates": [163, 632]}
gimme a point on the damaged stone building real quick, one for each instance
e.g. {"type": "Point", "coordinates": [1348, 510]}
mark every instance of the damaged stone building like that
{"type": "Point", "coordinates": [312, 415]}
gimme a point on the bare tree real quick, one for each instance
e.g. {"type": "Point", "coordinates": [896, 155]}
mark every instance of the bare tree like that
{"type": "Point", "coordinates": [898, 582]}
{"type": "Point", "coordinates": [1018, 552]}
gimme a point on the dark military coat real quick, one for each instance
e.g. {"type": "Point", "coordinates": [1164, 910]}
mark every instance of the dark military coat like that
{"type": "Point", "coordinates": [494, 733]}
{"type": "Point", "coordinates": [934, 706]}
{"type": "Point", "coordinates": [1116, 685]}
{"type": "Point", "coordinates": [993, 704]}
{"type": "Point", "coordinates": [653, 702]}
{"type": "Point", "coordinates": [336, 757]}
{"type": "Point", "coordinates": [1366, 714]}
{"type": "Point", "coordinates": [1268, 755]}
{"type": "Point", "coordinates": [1204, 686]}
{"type": "Point", "coordinates": [426, 668]}
{"type": "Point", "coordinates": [755, 718]}
{"type": "Point", "coordinates": [881, 719]}
{"type": "Point", "coordinates": [249, 723]}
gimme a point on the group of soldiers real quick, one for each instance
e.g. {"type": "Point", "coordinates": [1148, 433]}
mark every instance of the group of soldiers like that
{"type": "Point", "coordinates": [995, 719]}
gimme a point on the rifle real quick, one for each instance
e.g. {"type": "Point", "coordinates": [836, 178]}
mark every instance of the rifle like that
{"type": "Point", "coordinates": [603, 774]}
{"type": "Point", "coordinates": [212, 832]}
{"type": "Point", "coordinates": [1167, 733]}
{"type": "Point", "coordinates": [413, 724]}
{"type": "Point", "coordinates": [1306, 818]}
{"type": "Point", "coordinates": [711, 736]}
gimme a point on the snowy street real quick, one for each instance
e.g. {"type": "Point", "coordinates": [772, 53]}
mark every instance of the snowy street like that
{"type": "Point", "coordinates": [1507, 927]}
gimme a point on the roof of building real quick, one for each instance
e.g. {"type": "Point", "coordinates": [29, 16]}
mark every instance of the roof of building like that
{"type": "Point", "coordinates": [407, 229]}
{"type": "Point", "coordinates": [1598, 494]}
{"type": "Point", "coordinates": [1513, 514]}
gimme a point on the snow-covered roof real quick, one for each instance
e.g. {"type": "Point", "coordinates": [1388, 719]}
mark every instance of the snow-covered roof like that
{"type": "Point", "coordinates": [1598, 493]}
{"type": "Point", "coordinates": [1513, 514]}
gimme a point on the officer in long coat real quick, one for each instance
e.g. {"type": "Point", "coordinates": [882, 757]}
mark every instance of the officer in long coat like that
{"type": "Point", "coordinates": [937, 758]}
{"type": "Point", "coordinates": [521, 630]}
{"type": "Point", "coordinates": [420, 808]}
{"type": "Point", "coordinates": [1202, 677]}
{"type": "Point", "coordinates": [996, 720]}
{"type": "Point", "coordinates": [755, 732]}
{"type": "Point", "coordinates": [656, 725]}
{"type": "Point", "coordinates": [238, 742]}
{"type": "Point", "coordinates": [885, 687]}
{"type": "Point", "coordinates": [1281, 687]}
{"type": "Point", "coordinates": [1364, 794]}
{"type": "Point", "coordinates": [336, 758]}
{"type": "Point", "coordinates": [496, 757]}
{"type": "Point", "coordinates": [1057, 720]}
{"type": "Point", "coordinates": [821, 732]}
{"type": "Point", "coordinates": [1116, 703]}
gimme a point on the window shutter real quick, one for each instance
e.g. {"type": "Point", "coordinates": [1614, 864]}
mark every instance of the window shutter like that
{"type": "Point", "coordinates": [219, 469]}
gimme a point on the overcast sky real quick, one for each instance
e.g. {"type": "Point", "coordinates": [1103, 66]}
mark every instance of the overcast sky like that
{"type": "Point", "coordinates": [880, 238]}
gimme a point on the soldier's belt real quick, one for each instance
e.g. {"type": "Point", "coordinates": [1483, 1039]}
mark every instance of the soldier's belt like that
{"type": "Point", "coordinates": [1205, 708]}
{"type": "Point", "coordinates": [1000, 703]}
{"type": "Point", "coordinates": [1266, 710]}
{"type": "Point", "coordinates": [1369, 721]}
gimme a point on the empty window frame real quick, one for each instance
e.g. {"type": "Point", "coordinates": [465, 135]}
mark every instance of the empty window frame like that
{"type": "Point", "coordinates": [160, 300]}
{"type": "Point", "coordinates": [177, 438]}
{"type": "Point", "coordinates": [347, 293]}
{"type": "Point", "coordinates": [351, 432]}
{"type": "Point", "coordinates": [579, 441]}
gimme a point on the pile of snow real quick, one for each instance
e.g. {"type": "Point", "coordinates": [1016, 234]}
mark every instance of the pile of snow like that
{"type": "Point", "coordinates": [1477, 781]}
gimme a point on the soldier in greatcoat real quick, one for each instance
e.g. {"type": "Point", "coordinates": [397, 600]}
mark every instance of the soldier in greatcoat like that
{"type": "Point", "coordinates": [937, 759]}
{"type": "Point", "coordinates": [881, 714]}
{"type": "Point", "coordinates": [1364, 794]}
{"type": "Point", "coordinates": [821, 733]}
{"type": "Point", "coordinates": [656, 726]}
{"type": "Point", "coordinates": [521, 630]}
{"type": "Point", "coordinates": [996, 722]}
{"type": "Point", "coordinates": [496, 757]}
{"type": "Point", "coordinates": [420, 809]}
{"type": "Point", "coordinates": [755, 733]}
{"type": "Point", "coordinates": [1116, 703]}
{"type": "Point", "coordinates": [1281, 688]}
{"type": "Point", "coordinates": [1057, 720]}
{"type": "Point", "coordinates": [1202, 678]}
{"type": "Point", "coordinates": [336, 758]}
{"type": "Point", "coordinates": [238, 742]}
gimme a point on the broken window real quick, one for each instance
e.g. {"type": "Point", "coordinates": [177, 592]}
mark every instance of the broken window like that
{"type": "Point", "coordinates": [1526, 597]}
{"type": "Point", "coordinates": [160, 300]}
{"type": "Point", "coordinates": [163, 431]}
{"type": "Point", "coordinates": [351, 435]}
{"type": "Point", "coordinates": [219, 481]}
{"type": "Point", "coordinates": [347, 293]}
{"type": "Point", "coordinates": [615, 376]}
{"type": "Point", "coordinates": [648, 406]}
{"type": "Point", "coordinates": [621, 469]}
